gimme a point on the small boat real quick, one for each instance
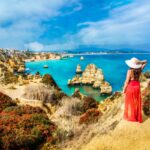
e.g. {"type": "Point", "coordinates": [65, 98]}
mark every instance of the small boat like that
{"type": "Point", "coordinates": [81, 58]}
{"type": "Point", "coordinates": [45, 66]}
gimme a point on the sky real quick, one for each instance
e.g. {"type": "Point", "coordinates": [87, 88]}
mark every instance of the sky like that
{"type": "Point", "coordinates": [69, 24]}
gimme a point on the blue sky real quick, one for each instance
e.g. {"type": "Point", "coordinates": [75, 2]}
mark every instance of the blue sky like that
{"type": "Point", "coordinates": [68, 24]}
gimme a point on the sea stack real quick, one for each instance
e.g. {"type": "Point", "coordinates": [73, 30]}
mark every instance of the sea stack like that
{"type": "Point", "coordinates": [92, 76]}
{"type": "Point", "coordinates": [78, 70]}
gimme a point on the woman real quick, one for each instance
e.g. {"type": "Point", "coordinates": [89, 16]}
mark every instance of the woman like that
{"type": "Point", "coordinates": [133, 108]}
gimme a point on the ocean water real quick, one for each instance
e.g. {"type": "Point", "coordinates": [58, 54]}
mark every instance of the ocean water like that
{"type": "Point", "coordinates": [113, 67]}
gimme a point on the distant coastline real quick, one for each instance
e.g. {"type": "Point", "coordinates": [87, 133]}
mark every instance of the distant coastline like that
{"type": "Point", "coordinates": [102, 53]}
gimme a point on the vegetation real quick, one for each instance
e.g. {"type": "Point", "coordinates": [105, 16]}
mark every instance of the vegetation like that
{"type": "Point", "coordinates": [43, 93]}
{"type": "Point", "coordinates": [147, 74]}
{"type": "Point", "coordinates": [90, 116]}
{"type": "Point", "coordinates": [10, 78]}
{"type": "Point", "coordinates": [89, 103]}
{"type": "Point", "coordinates": [5, 101]}
{"type": "Point", "coordinates": [146, 100]}
{"type": "Point", "coordinates": [23, 127]}
{"type": "Point", "coordinates": [48, 80]}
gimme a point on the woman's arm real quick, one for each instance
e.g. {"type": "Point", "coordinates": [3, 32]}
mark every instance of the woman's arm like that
{"type": "Point", "coordinates": [127, 80]}
{"type": "Point", "coordinates": [144, 62]}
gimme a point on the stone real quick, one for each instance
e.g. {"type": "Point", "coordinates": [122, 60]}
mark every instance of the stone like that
{"type": "Point", "coordinates": [78, 70]}
{"type": "Point", "coordinates": [21, 69]}
{"type": "Point", "coordinates": [91, 76]}
{"type": "Point", "coordinates": [105, 88]}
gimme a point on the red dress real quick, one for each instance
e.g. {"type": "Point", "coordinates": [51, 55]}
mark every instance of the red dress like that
{"type": "Point", "coordinates": [133, 107]}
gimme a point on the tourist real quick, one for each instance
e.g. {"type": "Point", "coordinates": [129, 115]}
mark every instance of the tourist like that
{"type": "Point", "coordinates": [133, 107]}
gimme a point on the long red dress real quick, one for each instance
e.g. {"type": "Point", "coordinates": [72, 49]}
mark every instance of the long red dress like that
{"type": "Point", "coordinates": [133, 107]}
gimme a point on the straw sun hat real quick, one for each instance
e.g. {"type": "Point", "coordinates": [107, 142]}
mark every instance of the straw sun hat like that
{"type": "Point", "coordinates": [134, 63]}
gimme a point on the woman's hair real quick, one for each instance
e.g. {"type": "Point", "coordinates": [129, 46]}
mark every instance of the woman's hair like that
{"type": "Point", "coordinates": [136, 73]}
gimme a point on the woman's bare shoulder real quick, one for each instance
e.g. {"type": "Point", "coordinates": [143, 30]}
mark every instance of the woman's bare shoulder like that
{"type": "Point", "coordinates": [129, 70]}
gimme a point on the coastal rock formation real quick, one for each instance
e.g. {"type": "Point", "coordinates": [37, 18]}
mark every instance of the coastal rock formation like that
{"type": "Point", "coordinates": [78, 70]}
{"type": "Point", "coordinates": [21, 69]}
{"type": "Point", "coordinates": [105, 88]}
{"type": "Point", "coordinates": [92, 76]}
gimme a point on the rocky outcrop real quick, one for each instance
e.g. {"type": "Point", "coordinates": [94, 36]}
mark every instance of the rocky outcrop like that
{"type": "Point", "coordinates": [92, 76]}
{"type": "Point", "coordinates": [21, 69]}
{"type": "Point", "coordinates": [77, 94]}
{"type": "Point", "coordinates": [105, 88]}
{"type": "Point", "coordinates": [78, 70]}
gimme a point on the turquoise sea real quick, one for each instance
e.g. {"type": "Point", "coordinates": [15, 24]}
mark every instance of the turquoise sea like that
{"type": "Point", "coordinates": [113, 67]}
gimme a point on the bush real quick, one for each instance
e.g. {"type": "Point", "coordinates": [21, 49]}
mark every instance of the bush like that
{"type": "Point", "coordinates": [90, 116]}
{"type": "Point", "coordinates": [5, 101]}
{"type": "Point", "coordinates": [48, 80]}
{"type": "Point", "coordinates": [4, 97]}
{"type": "Point", "coordinates": [146, 101]}
{"type": "Point", "coordinates": [43, 93]}
{"type": "Point", "coordinates": [24, 127]}
{"type": "Point", "coordinates": [10, 78]}
{"type": "Point", "coordinates": [89, 103]}
{"type": "Point", "coordinates": [147, 74]}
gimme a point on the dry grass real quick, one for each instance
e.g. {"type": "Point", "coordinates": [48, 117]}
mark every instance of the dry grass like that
{"type": "Point", "coordinates": [126, 136]}
{"type": "Point", "coordinates": [38, 92]}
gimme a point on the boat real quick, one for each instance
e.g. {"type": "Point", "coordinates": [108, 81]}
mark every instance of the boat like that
{"type": "Point", "coordinates": [81, 58]}
{"type": "Point", "coordinates": [45, 66]}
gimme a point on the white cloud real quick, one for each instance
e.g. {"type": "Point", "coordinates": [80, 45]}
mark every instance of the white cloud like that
{"type": "Point", "coordinates": [126, 25]}
{"type": "Point", "coordinates": [20, 24]}
{"type": "Point", "coordinates": [31, 9]}
{"type": "Point", "coordinates": [35, 46]}
{"type": "Point", "coordinates": [21, 20]}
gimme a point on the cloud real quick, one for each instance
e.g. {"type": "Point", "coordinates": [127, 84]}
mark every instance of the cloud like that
{"type": "Point", "coordinates": [22, 24]}
{"type": "Point", "coordinates": [21, 21]}
{"type": "Point", "coordinates": [126, 25]}
{"type": "Point", "coordinates": [30, 9]}
{"type": "Point", "coordinates": [35, 46]}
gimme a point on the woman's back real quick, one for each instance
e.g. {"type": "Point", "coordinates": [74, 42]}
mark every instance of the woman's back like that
{"type": "Point", "coordinates": [135, 74]}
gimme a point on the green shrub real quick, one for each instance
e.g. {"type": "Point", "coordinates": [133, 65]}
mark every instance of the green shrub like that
{"type": "Point", "coordinates": [48, 80]}
{"type": "Point", "coordinates": [10, 78]}
{"type": "Point", "coordinates": [5, 101]}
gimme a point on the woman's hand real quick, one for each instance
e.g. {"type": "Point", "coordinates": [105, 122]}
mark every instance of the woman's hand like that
{"type": "Point", "coordinates": [124, 91]}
